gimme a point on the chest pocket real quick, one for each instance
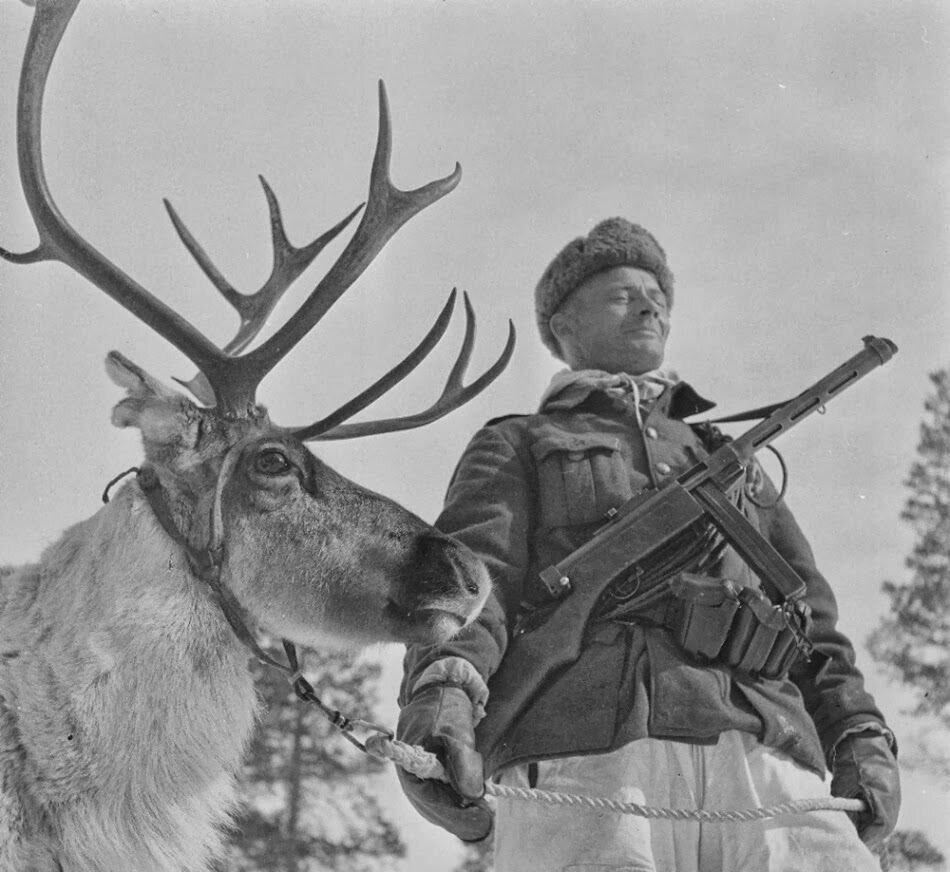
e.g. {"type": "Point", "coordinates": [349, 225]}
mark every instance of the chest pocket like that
{"type": "Point", "coordinates": [580, 477]}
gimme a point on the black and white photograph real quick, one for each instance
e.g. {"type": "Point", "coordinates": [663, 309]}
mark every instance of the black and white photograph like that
{"type": "Point", "coordinates": [474, 436]}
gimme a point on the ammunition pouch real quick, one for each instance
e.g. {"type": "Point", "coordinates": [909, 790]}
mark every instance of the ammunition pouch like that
{"type": "Point", "coordinates": [715, 620]}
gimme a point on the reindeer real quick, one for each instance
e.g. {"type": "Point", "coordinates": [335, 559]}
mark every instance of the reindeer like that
{"type": "Point", "coordinates": [125, 695]}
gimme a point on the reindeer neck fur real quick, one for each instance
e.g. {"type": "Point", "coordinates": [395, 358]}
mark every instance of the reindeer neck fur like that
{"type": "Point", "coordinates": [124, 697]}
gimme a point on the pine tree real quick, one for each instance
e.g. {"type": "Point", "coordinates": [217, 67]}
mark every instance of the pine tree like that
{"type": "Point", "coordinates": [910, 851]}
{"type": "Point", "coordinates": [478, 857]}
{"type": "Point", "coordinates": [913, 641]}
{"type": "Point", "coordinates": [311, 802]}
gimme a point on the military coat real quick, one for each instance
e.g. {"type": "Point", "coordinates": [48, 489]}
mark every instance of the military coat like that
{"type": "Point", "coordinates": [531, 488]}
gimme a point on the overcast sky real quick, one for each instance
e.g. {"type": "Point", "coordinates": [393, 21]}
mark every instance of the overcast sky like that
{"type": "Point", "coordinates": [792, 158]}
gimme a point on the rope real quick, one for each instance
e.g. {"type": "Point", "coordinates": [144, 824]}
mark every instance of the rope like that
{"type": "Point", "coordinates": [795, 806]}
{"type": "Point", "coordinates": [425, 765]}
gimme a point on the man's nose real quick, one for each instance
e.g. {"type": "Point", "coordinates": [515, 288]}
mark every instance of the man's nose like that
{"type": "Point", "coordinates": [645, 307]}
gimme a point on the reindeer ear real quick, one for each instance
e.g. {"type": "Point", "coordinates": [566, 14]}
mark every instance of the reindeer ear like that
{"type": "Point", "coordinates": [134, 379]}
{"type": "Point", "coordinates": [158, 411]}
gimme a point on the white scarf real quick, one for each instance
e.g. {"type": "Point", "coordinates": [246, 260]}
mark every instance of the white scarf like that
{"type": "Point", "coordinates": [570, 387]}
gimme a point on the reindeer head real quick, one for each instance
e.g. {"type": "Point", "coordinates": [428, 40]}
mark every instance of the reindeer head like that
{"type": "Point", "coordinates": [305, 552]}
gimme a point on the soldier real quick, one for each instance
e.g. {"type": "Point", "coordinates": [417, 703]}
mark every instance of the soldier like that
{"type": "Point", "coordinates": [638, 716]}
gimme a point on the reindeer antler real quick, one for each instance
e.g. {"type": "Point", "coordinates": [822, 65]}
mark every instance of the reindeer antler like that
{"type": "Point", "coordinates": [453, 395]}
{"type": "Point", "coordinates": [289, 262]}
{"type": "Point", "coordinates": [58, 240]}
{"type": "Point", "coordinates": [233, 378]}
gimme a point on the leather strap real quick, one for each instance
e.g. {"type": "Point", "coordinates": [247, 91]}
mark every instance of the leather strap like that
{"type": "Point", "coordinates": [748, 415]}
{"type": "Point", "coordinates": [206, 565]}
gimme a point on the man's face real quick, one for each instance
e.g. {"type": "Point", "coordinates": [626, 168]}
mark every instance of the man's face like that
{"type": "Point", "coordinates": [617, 320]}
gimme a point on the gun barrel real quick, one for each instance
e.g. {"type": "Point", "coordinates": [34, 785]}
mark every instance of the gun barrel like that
{"type": "Point", "coordinates": [876, 352]}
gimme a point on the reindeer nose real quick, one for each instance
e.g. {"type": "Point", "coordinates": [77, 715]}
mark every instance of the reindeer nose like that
{"type": "Point", "coordinates": [445, 564]}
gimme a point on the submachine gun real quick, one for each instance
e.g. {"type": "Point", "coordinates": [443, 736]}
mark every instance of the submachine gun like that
{"type": "Point", "coordinates": [643, 525]}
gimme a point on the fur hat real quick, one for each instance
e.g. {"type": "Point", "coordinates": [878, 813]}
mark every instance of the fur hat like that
{"type": "Point", "coordinates": [613, 242]}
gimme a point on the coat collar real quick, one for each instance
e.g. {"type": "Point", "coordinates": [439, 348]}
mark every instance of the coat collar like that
{"type": "Point", "coordinates": [678, 401]}
{"type": "Point", "coordinates": [684, 401]}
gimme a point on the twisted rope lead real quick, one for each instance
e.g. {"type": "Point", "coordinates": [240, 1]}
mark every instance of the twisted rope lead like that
{"type": "Point", "coordinates": [423, 764]}
{"type": "Point", "coordinates": [795, 806]}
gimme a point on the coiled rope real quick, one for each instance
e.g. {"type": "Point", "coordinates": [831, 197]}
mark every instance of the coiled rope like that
{"type": "Point", "coordinates": [425, 765]}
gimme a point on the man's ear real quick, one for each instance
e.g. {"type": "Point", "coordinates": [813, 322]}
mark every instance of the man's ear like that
{"type": "Point", "coordinates": [561, 326]}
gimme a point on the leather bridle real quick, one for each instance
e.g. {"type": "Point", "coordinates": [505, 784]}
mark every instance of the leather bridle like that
{"type": "Point", "coordinates": [207, 563]}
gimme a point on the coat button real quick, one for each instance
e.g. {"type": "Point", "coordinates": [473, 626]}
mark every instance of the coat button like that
{"type": "Point", "coordinates": [664, 468]}
{"type": "Point", "coordinates": [651, 432]}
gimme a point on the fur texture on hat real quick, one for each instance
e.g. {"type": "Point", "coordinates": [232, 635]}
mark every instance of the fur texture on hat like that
{"type": "Point", "coordinates": [613, 242]}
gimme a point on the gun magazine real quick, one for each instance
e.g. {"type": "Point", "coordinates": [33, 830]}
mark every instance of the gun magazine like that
{"type": "Point", "coordinates": [714, 620]}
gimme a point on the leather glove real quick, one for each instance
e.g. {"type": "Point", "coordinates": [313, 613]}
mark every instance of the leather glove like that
{"type": "Point", "coordinates": [865, 768]}
{"type": "Point", "coordinates": [439, 719]}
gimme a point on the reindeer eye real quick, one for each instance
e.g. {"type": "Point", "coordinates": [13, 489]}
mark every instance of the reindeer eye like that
{"type": "Point", "coordinates": [272, 461]}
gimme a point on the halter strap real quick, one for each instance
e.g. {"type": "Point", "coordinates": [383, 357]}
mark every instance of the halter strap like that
{"type": "Point", "coordinates": [206, 565]}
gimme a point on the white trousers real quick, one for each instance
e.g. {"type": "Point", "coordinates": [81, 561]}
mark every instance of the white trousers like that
{"type": "Point", "coordinates": [736, 773]}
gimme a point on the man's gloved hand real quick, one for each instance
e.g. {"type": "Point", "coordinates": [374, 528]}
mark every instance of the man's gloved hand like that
{"type": "Point", "coordinates": [866, 768]}
{"type": "Point", "coordinates": [439, 719]}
